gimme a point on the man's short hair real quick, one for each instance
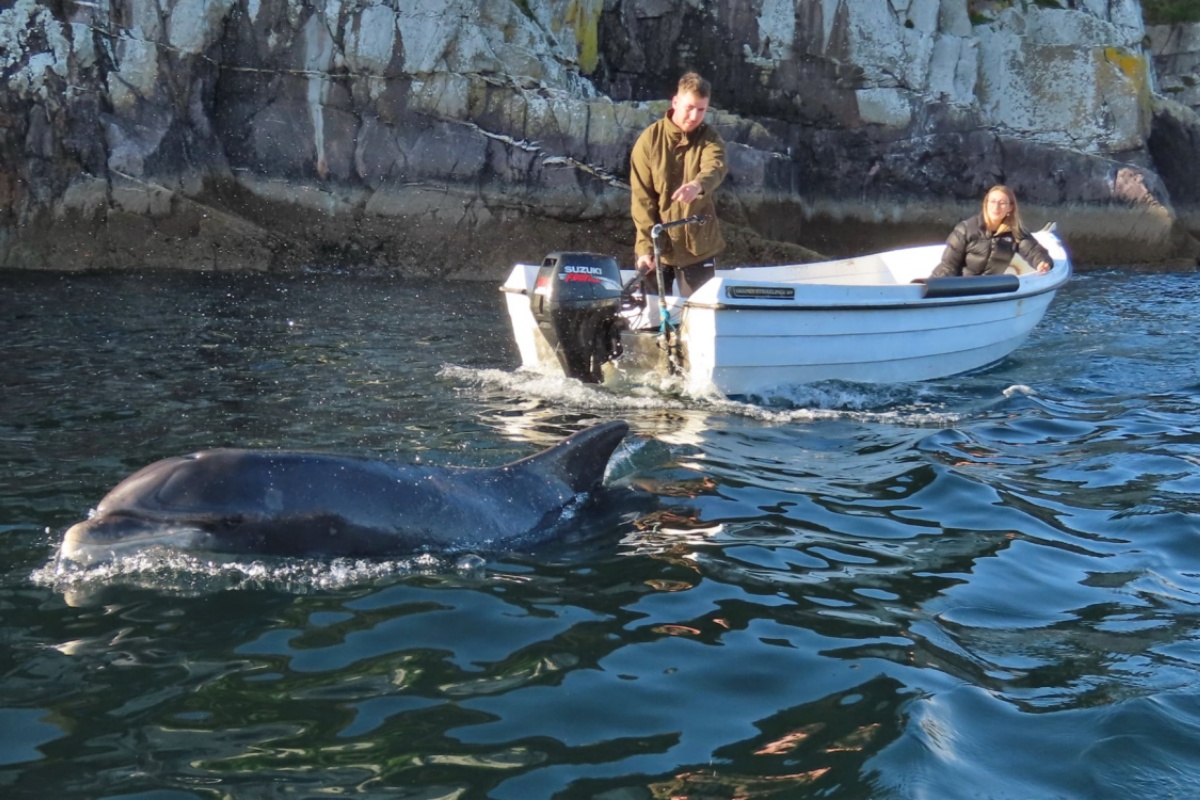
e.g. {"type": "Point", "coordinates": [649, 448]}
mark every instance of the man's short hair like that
{"type": "Point", "coordinates": [693, 83]}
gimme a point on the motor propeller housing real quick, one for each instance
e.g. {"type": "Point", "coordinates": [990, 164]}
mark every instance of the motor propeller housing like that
{"type": "Point", "coordinates": [576, 302]}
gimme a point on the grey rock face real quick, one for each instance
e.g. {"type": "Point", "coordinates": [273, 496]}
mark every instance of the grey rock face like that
{"type": "Point", "coordinates": [453, 137]}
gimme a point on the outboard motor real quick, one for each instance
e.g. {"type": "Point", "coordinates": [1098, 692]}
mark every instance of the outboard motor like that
{"type": "Point", "coordinates": [575, 303]}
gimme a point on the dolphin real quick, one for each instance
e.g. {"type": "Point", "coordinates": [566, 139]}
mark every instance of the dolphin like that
{"type": "Point", "coordinates": [312, 504]}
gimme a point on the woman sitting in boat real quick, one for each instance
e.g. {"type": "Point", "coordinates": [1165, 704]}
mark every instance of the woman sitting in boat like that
{"type": "Point", "coordinates": [985, 243]}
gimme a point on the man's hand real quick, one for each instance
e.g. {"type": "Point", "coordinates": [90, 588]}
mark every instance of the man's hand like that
{"type": "Point", "coordinates": [1044, 267]}
{"type": "Point", "coordinates": [687, 193]}
{"type": "Point", "coordinates": [645, 263]}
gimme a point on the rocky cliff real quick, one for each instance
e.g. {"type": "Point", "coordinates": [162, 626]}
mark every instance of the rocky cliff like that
{"type": "Point", "coordinates": [452, 137]}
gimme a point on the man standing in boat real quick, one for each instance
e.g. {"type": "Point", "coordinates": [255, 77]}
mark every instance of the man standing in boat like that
{"type": "Point", "coordinates": [675, 168]}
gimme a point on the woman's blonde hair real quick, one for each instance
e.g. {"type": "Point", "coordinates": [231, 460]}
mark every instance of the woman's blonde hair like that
{"type": "Point", "coordinates": [1014, 215]}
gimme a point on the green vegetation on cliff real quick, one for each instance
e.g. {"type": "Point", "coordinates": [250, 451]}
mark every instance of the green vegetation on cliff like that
{"type": "Point", "coordinates": [1166, 12]}
{"type": "Point", "coordinates": [1154, 12]}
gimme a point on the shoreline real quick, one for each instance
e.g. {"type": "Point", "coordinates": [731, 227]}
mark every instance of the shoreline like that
{"type": "Point", "coordinates": [425, 230]}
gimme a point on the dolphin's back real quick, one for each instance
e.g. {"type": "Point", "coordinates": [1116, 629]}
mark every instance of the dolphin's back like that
{"type": "Point", "coordinates": [259, 482]}
{"type": "Point", "coordinates": [312, 503]}
{"type": "Point", "coordinates": [253, 482]}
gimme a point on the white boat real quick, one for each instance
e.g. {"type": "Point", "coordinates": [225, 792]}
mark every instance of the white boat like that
{"type": "Point", "coordinates": [869, 319]}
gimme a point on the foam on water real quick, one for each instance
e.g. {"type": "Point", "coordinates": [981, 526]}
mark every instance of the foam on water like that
{"type": "Point", "coordinates": [904, 404]}
{"type": "Point", "coordinates": [177, 573]}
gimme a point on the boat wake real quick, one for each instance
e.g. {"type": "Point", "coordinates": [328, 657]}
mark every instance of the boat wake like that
{"type": "Point", "coordinates": [919, 405]}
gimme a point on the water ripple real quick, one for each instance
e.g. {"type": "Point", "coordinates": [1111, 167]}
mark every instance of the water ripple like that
{"type": "Point", "coordinates": [983, 586]}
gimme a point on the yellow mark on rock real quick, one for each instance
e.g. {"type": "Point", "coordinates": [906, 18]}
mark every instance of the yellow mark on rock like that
{"type": "Point", "coordinates": [584, 18]}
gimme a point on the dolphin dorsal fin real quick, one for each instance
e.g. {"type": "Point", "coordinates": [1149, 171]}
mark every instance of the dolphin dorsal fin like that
{"type": "Point", "coordinates": [581, 459]}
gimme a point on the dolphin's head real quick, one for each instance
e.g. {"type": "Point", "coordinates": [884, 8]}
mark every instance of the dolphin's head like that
{"type": "Point", "coordinates": [112, 536]}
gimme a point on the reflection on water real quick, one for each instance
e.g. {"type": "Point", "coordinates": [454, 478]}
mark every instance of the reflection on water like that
{"type": "Point", "coordinates": [980, 587]}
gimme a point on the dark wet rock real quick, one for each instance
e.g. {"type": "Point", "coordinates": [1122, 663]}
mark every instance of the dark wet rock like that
{"type": "Point", "coordinates": [455, 137]}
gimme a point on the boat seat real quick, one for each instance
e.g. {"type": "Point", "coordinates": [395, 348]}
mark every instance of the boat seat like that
{"type": "Point", "coordinates": [969, 285]}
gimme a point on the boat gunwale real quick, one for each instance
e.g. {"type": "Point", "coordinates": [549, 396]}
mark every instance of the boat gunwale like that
{"type": "Point", "coordinates": [883, 304]}
{"type": "Point", "coordinates": [922, 302]}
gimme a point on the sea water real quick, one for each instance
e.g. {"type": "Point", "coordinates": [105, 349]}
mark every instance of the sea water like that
{"type": "Point", "coordinates": [980, 587]}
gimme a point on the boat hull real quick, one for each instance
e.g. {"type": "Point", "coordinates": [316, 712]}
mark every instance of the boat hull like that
{"type": "Point", "coordinates": [750, 351]}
